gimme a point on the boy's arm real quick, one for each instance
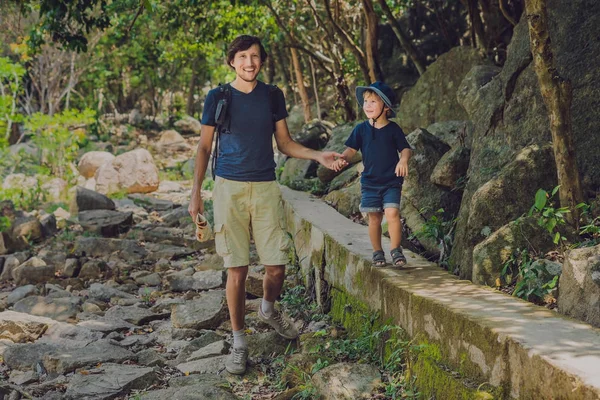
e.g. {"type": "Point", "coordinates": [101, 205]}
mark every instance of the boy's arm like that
{"type": "Point", "coordinates": [289, 147]}
{"type": "Point", "coordinates": [402, 166]}
{"type": "Point", "coordinates": [348, 154]}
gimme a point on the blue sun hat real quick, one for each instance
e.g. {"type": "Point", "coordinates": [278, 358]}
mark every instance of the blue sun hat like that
{"type": "Point", "coordinates": [384, 91]}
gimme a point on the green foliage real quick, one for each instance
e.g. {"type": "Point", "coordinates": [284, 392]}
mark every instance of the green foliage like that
{"type": "Point", "coordinates": [10, 88]}
{"type": "Point", "coordinates": [549, 217]}
{"type": "Point", "coordinates": [24, 198]}
{"type": "Point", "coordinates": [208, 184]}
{"type": "Point", "coordinates": [533, 281]}
{"type": "Point", "coordinates": [4, 224]}
{"type": "Point", "coordinates": [59, 136]}
{"type": "Point", "coordinates": [590, 227]}
{"type": "Point", "coordinates": [298, 305]}
{"type": "Point", "coordinates": [439, 230]}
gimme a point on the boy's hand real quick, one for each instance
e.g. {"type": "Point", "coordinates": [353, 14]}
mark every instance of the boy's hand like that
{"type": "Point", "coordinates": [328, 159]}
{"type": "Point", "coordinates": [402, 168]}
{"type": "Point", "coordinates": [339, 164]}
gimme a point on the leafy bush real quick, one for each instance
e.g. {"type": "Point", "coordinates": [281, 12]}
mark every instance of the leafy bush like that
{"type": "Point", "coordinates": [441, 231]}
{"type": "Point", "coordinates": [549, 217]}
{"type": "Point", "coordinates": [532, 281]}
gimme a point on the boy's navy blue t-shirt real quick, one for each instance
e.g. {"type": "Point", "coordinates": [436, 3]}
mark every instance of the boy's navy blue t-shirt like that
{"type": "Point", "coordinates": [379, 148]}
{"type": "Point", "coordinates": [246, 154]}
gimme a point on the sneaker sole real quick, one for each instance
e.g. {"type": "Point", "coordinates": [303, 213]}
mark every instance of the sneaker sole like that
{"type": "Point", "coordinates": [235, 372]}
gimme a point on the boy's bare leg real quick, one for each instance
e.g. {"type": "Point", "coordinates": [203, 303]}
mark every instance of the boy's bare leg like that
{"type": "Point", "coordinates": [273, 282]}
{"type": "Point", "coordinates": [375, 219]}
{"type": "Point", "coordinates": [235, 291]}
{"type": "Point", "coordinates": [392, 216]}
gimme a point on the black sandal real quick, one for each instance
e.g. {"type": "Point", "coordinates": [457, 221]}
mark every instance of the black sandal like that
{"type": "Point", "coordinates": [398, 258]}
{"type": "Point", "coordinates": [379, 259]}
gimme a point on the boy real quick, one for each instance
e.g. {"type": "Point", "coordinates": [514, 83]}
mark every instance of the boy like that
{"type": "Point", "coordinates": [379, 140]}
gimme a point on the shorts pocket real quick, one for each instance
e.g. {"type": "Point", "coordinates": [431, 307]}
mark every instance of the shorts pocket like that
{"type": "Point", "coordinates": [285, 241]}
{"type": "Point", "coordinates": [221, 244]}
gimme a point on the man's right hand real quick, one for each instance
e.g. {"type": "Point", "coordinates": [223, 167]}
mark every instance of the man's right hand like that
{"type": "Point", "coordinates": [196, 207]}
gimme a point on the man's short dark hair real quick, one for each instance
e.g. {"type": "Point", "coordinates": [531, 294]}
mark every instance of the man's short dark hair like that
{"type": "Point", "coordinates": [242, 43]}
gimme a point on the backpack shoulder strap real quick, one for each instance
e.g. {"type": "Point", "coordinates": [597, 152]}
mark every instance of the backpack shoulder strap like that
{"type": "Point", "coordinates": [274, 95]}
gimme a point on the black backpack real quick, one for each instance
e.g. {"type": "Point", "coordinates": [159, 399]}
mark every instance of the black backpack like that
{"type": "Point", "coordinates": [223, 116]}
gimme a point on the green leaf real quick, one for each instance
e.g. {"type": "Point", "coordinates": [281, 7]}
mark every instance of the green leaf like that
{"type": "Point", "coordinates": [555, 190]}
{"type": "Point", "coordinates": [556, 237]}
{"type": "Point", "coordinates": [541, 197]}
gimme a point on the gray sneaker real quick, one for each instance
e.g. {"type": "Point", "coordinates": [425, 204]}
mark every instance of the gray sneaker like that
{"type": "Point", "coordinates": [236, 362]}
{"type": "Point", "coordinates": [280, 322]}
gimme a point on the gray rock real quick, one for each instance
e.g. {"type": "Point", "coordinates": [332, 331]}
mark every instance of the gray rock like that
{"type": "Point", "coordinates": [109, 381]}
{"type": "Point", "coordinates": [60, 309]}
{"type": "Point", "coordinates": [347, 381]}
{"type": "Point", "coordinates": [69, 360]}
{"type": "Point", "coordinates": [202, 280]}
{"type": "Point", "coordinates": [86, 199]}
{"type": "Point", "coordinates": [212, 350]}
{"type": "Point", "coordinates": [25, 356]}
{"type": "Point", "coordinates": [188, 125]}
{"type": "Point", "coordinates": [149, 280]}
{"type": "Point", "coordinates": [94, 269]}
{"type": "Point", "coordinates": [468, 94]}
{"type": "Point", "coordinates": [204, 339]}
{"type": "Point", "coordinates": [297, 169]}
{"type": "Point", "coordinates": [127, 250]}
{"type": "Point", "coordinates": [69, 336]}
{"type": "Point", "coordinates": [347, 200]}
{"type": "Point", "coordinates": [156, 251]}
{"type": "Point", "coordinates": [339, 135]}
{"type": "Point", "coordinates": [33, 271]}
{"type": "Point", "coordinates": [453, 133]}
{"type": "Point", "coordinates": [346, 177]}
{"type": "Point", "coordinates": [206, 312]}
{"type": "Point", "coordinates": [106, 325]}
{"type": "Point", "coordinates": [21, 327]}
{"type": "Point", "coordinates": [213, 365]}
{"type": "Point", "coordinates": [204, 391]}
{"type": "Point", "coordinates": [177, 217]}
{"type": "Point", "coordinates": [104, 293]}
{"type": "Point", "coordinates": [134, 314]}
{"type": "Point", "coordinates": [107, 223]}
{"type": "Point", "coordinates": [451, 168]}
{"type": "Point", "coordinates": [48, 223]}
{"type": "Point", "coordinates": [71, 268]}
{"type": "Point", "coordinates": [266, 344]}
{"type": "Point", "coordinates": [23, 378]}
{"type": "Point", "coordinates": [151, 203]}
{"type": "Point", "coordinates": [579, 293]}
{"type": "Point", "coordinates": [150, 358]}
{"type": "Point", "coordinates": [10, 263]}
{"type": "Point", "coordinates": [27, 227]}
{"type": "Point", "coordinates": [20, 293]}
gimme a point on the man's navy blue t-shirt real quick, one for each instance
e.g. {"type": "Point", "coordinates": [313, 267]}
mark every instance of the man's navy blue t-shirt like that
{"type": "Point", "coordinates": [246, 154]}
{"type": "Point", "coordinates": [379, 148]}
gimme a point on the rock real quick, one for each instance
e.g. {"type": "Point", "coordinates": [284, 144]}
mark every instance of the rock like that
{"type": "Point", "coordinates": [346, 177]}
{"type": "Point", "coordinates": [94, 269]}
{"type": "Point", "coordinates": [188, 125]}
{"type": "Point", "coordinates": [135, 117]}
{"type": "Point", "coordinates": [211, 279]}
{"type": "Point", "coordinates": [10, 263]}
{"type": "Point", "coordinates": [27, 228]}
{"type": "Point", "coordinates": [171, 142]}
{"type": "Point", "coordinates": [177, 217]}
{"type": "Point", "coordinates": [297, 169]}
{"type": "Point", "coordinates": [254, 282]}
{"type": "Point", "coordinates": [490, 255]}
{"type": "Point", "coordinates": [104, 293]}
{"type": "Point", "coordinates": [418, 189]}
{"type": "Point", "coordinates": [33, 271]}
{"type": "Point", "coordinates": [267, 344]}
{"type": "Point", "coordinates": [579, 285]}
{"type": "Point", "coordinates": [339, 135]}
{"type": "Point", "coordinates": [347, 381]}
{"type": "Point", "coordinates": [347, 200]}
{"type": "Point", "coordinates": [19, 181]}
{"type": "Point", "coordinates": [86, 200]}
{"type": "Point", "coordinates": [203, 339]}
{"type": "Point", "coordinates": [434, 97]}
{"type": "Point", "coordinates": [55, 189]}
{"type": "Point", "coordinates": [48, 224]}
{"type": "Point", "coordinates": [149, 280]}
{"type": "Point", "coordinates": [91, 161]}
{"type": "Point", "coordinates": [450, 168]}
{"type": "Point", "coordinates": [207, 312]}
{"type": "Point", "coordinates": [203, 391]}
{"type": "Point", "coordinates": [151, 203]}
{"type": "Point", "coordinates": [159, 250]}
{"type": "Point", "coordinates": [313, 135]}
{"type": "Point", "coordinates": [25, 356]}
{"type": "Point", "coordinates": [20, 293]}
{"type": "Point", "coordinates": [71, 268]}
{"type": "Point", "coordinates": [69, 360]}
{"type": "Point", "coordinates": [468, 94]}
{"type": "Point", "coordinates": [20, 327]}
{"type": "Point", "coordinates": [90, 307]}
{"type": "Point", "coordinates": [150, 358]}
{"type": "Point", "coordinates": [69, 336]}
{"type": "Point", "coordinates": [127, 250]}
{"type": "Point", "coordinates": [134, 314]}
{"type": "Point", "coordinates": [211, 365]}
{"type": "Point", "coordinates": [23, 378]}
{"type": "Point", "coordinates": [61, 309]}
{"type": "Point", "coordinates": [107, 223]}
{"type": "Point", "coordinates": [106, 325]}
{"type": "Point", "coordinates": [503, 198]}
{"type": "Point", "coordinates": [453, 133]}
{"type": "Point", "coordinates": [133, 172]}
{"type": "Point", "coordinates": [212, 350]}
{"type": "Point", "coordinates": [110, 381]}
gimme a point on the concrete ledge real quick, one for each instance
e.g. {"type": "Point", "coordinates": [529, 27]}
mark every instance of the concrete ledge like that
{"type": "Point", "coordinates": [523, 351]}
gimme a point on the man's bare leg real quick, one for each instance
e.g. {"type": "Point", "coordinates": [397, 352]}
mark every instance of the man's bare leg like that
{"type": "Point", "coordinates": [273, 282]}
{"type": "Point", "coordinates": [272, 285]}
{"type": "Point", "coordinates": [236, 296]}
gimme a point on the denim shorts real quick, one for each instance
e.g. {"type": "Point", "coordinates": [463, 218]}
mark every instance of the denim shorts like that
{"type": "Point", "coordinates": [378, 198]}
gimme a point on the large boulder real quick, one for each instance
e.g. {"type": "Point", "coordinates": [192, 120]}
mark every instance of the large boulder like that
{"type": "Point", "coordinates": [453, 133]}
{"type": "Point", "coordinates": [314, 135]}
{"type": "Point", "coordinates": [171, 142]}
{"type": "Point", "coordinates": [418, 189]}
{"type": "Point", "coordinates": [347, 200]}
{"type": "Point", "coordinates": [91, 161]}
{"type": "Point", "coordinates": [579, 285]}
{"type": "Point", "coordinates": [490, 255]}
{"type": "Point", "coordinates": [133, 172]}
{"type": "Point", "coordinates": [451, 169]}
{"type": "Point", "coordinates": [85, 199]}
{"type": "Point", "coordinates": [339, 135]}
{"type": "Point", "coordinates": [347, 381]}
{"type": "Point", "coordinates": [433, 98]}
{"type": "Point", "coordinates": [107, 223]}
{"type": "Point", "coordinates": [188, 125]}
{"type": "Point", "coordinates": [296, 169]}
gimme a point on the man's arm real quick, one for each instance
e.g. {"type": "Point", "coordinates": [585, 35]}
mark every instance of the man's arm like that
{"type": "Point", "coordinates": [290, 148]}
{"type": "Point", "coordinates": [202, 156]}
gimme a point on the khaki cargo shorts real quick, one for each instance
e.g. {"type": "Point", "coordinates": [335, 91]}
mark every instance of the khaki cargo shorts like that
{"type": "Point", "coordinates": [241, 206]}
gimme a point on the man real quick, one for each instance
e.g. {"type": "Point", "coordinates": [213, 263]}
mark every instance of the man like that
{"type": "Point", "coordinates": [246, 195]}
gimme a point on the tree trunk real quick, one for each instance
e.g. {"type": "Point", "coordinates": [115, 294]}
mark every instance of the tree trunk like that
{"type": "Point", "coordinates": [372, 20]}
{"type": "Point", "coordinates": [284, 72]}
{"type": "Point", "coordinates": [300, 83]}
{"type": "Point", "coordinates": [477, 30]}
{"type": "Point", "coordinates": [414, 54]}
{"type": "Point", "coordinates": [189, 109]}
{"type": "Point", "coordinates": [557, 94]}
{"type": "Point", "coordinates": [314, 79]}
{"type": "Point", "coordinates": [270, 70]}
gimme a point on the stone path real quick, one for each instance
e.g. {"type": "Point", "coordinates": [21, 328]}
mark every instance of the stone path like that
{"type": "Point", "coordinates": [138, 314]}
